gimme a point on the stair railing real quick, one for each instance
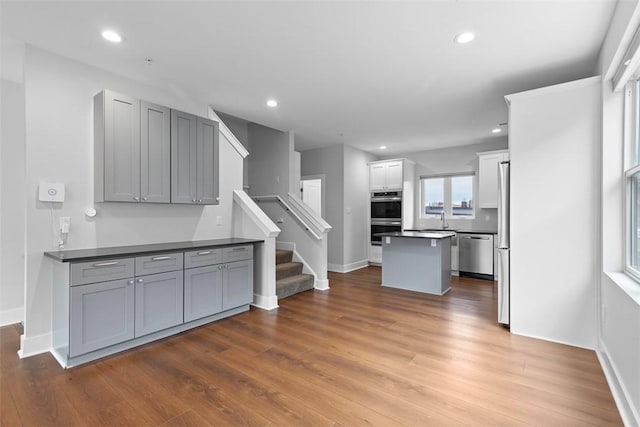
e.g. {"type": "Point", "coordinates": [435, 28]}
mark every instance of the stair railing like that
{"type": "Point", "coordinates": [298, 212]}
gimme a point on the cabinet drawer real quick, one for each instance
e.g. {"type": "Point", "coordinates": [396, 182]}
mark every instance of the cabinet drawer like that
{"type": "Point", "coordinates": [237, 253]}
{"type": "Point", "coordinates": [101, 271]}
{"type": "Point", "coordinates": [158, 263]}
{"type": "Point", "coordinates": [202, 257]}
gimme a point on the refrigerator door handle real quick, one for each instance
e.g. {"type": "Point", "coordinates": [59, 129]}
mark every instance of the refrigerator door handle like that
{"type": "Point", "coordinates": [503, 287]}
{"type": "Point", "coordinates": [503, 205]}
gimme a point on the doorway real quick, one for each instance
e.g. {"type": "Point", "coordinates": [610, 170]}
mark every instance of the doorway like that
{"type": "Point", "coordinates": [312, 192]}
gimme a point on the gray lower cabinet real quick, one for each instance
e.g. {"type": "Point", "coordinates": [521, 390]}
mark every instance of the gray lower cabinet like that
{"type": "Point", "coordinates": [159, 302]}
{"type": "Point", "coordinates": [202, 292]}
{"type": "Point", "coordinates": [101, 314]}
{"type": "Point", "coordinates": [237, 284]}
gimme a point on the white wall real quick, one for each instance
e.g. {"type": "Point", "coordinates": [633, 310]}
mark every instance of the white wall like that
{"type": "Point", "coordinates": [59, 146]}
{"type": "Point", "coordinates": [269, 162]}
{"type": "Point", "coordinates": [12, 203]}
{"type": "Point", "coordinates": [554, 139]}
{"type": "Point", "coordinates": [448, 160]}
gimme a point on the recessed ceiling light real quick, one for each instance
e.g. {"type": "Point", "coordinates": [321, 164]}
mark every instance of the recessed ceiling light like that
{"type": "Point", "coordinates": [465, 37]}
{"type": "Point", "coordinates": [496, 130]}
{"type": "Point", "coordinates": [383, 147]}
{"type": "Point", "coordinates": [112, 36]}
{"type": "Point", "coordinates": [272, 103]}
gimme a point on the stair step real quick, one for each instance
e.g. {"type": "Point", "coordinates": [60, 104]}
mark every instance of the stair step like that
{"type": "Point", "coordinates": [283, 256]}
{"type": "Point", "coordinates": [288, 269]}
{"type": "Point", "coordinates": [293, 285]}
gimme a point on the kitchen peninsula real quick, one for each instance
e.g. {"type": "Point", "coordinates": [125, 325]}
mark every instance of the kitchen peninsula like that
{"type": "Point", "coordinates": [417, 261]}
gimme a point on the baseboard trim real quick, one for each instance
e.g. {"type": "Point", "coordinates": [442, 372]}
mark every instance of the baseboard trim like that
{"type": "Point", "coordinates": [31, 346]}
{"type": "Point", "coordinates": [628, 413]}
{"type": "Point", "coordinates": [346, 268]}
{"type": "Point", "coordinates": [11, 316]}
{"type": "Point", "coordinates": [265, 302]}
{"type": "Point", "coordinates": [572, 344]}
{"type": "Point", "coordinates": [321, 285]}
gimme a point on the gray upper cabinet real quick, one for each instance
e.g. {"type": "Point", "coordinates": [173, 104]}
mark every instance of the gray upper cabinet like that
{"type": "Point", "coordinates": [155, 153]}
{"type": "Point", "coordinates": [117, 147]}
{"type": "Point", "coordinates": [194, 159]}
{"type": "Point", "coordinates": [132, 150]}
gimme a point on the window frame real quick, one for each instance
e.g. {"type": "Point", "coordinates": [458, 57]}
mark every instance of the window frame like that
{"type": "Point", "coordinates": [448, 195]}
{"type": "Point", "coordinates": [631, 168]}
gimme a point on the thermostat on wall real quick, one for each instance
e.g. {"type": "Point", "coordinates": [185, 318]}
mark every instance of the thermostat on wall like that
{"type": "Point", "coordinates": [51, 192]}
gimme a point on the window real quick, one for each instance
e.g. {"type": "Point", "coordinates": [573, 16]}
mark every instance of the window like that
{"type": "Point", "coordinates": [451, 194]}
{"type": "Point", "coordinates": [632, 174]}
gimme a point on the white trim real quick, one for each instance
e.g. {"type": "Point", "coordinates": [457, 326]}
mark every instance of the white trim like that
{"type": "Point", "coordinates": [321, 285]}
{"type": "Point", "coordinates": [553, 89]}
{"type": "Point", "coordinates": [257, 215]}
{"type": "Point", "coordinates": [224, 130]}
{"type": "Point", "coordinates": [311, 216]}
{"type": "Point", "coordinates": [11, 316]}
{"type": "Point", "coordinates": [31, 346]}
{"type": "Point", "coordinates": [346, 268]}
{"type": "Point", "coordinates": [265, 302]}
{"type": "Point", "coordinates": [628, 413]}
{"type": "Point", "coordinates": [285, 246]}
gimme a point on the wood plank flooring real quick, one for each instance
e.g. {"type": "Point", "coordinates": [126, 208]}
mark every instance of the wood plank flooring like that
{"type": "Point", "coordinates": [358, 354]}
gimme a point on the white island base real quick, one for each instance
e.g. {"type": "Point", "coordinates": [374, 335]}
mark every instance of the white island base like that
{"type": "Point", "coordinates": [417, 262]}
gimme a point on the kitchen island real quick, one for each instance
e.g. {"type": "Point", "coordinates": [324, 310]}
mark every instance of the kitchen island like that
{"type": "Point", "coordinates": [417, 261]}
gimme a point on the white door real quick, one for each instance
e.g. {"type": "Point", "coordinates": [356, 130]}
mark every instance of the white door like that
{"type": "Point", "coordinates": [311, 193]}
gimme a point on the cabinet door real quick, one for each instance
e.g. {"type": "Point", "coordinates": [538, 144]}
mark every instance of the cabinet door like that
{"type": "Point", "coordinates": [202, 292]}
{"type": "Point", "coordinates": [207, 162]}
{"type": "Point", "coordinates": [159, 302]}
{"type": "Point", "coordinates": [377, 176]}
{"type": "Point", "coordinates": [155, 153]}
{"type": "Point", "coordinates": [101, 314]}
{"type": "Point", "coordinates": [488, 179]}
{"type": "Point", "coordinates": [121, 148]}
{"type": "Point", "coordinates": [183, 157]}
{"type": "Point", "coordinates": [394, 175]}
{"type": "Point", "coordinates": [237, 288]}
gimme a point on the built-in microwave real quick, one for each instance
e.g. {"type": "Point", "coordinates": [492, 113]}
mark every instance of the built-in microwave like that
{"type": "Point", "coordinates": [386, 206]}
{"type": "Point", "coordinates": [383, 227]}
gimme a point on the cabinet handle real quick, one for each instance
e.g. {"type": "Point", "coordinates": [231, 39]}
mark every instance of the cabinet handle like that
{"type": "Point", "coordinates": [160, 258]}
{"type": "Point", "coordinates": [130, 282]}
{"type": "Point", "coordinates": [105, 264]}
{"type": "Point", "coordinates": [200, 201]}
{"type": "Point", "coordinates": [140, 280]}
{"type": "Point", "coordinates": [218, 198]}
{"type": "Point", "coordinates": [144, 199]}
{"type": "Point", "coordinates": [204, 253]}
{"type": "Point", "coordinates": [136, 198]}
{"type": "Point", "coordinates": [193, 200]}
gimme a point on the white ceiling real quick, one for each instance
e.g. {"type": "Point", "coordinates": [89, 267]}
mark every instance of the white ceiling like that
{"type": "Point", "coordinates": [361, 73]}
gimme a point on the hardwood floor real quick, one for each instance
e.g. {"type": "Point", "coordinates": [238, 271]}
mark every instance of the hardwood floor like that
{"type": "Point", "coordinates": [357, 354]}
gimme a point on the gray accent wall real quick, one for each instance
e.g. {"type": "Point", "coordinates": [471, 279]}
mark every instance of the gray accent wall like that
{"type": "Point", "coordinates": [346, 201]}
{"type": "Point", "coordinates": [448, 160]}
{"type": "Point", "coordinates": [269, 163]}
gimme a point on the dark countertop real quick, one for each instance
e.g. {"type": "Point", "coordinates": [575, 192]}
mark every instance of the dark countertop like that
{"type": "Point", "coordinates": [418, 234]}
{"type": "Point", "coordinates": [138, 250]}
{"type": "Point", "coordinates": [461, 230]}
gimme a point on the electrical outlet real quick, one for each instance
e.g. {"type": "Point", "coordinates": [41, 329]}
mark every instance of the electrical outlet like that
{"type": "Point", "coordinates": [65, 224]}
{"type": "Point", "coordinates": [487, 217]}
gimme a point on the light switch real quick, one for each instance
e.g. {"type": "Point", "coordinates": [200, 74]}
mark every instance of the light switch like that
{"type": "Point", "coordinates": [434, 243]}
{"type": "Point", "coordinates": [387, 240]}
{"type": "Point", "coordinates": [219, 220]}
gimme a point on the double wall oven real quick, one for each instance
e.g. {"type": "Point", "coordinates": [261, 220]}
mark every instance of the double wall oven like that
{"type": "Point", "coordinates": [386, 214]}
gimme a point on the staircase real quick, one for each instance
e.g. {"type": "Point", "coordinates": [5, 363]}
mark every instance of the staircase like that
{"type": "Point", "coordinates": [289, 277]}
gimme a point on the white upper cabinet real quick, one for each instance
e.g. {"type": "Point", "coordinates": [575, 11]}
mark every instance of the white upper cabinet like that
{"type": "Point", "coordinates": [488, 177]}
{"type": "Point", "coordinates": [386, 175]}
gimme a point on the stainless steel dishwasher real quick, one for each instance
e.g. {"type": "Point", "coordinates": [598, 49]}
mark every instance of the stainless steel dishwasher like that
{"type": "Point", "coordinates": [476, 255]}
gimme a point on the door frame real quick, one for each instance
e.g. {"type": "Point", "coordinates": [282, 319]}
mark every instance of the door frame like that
{"type": "Point", "coordinates": [322, 178]}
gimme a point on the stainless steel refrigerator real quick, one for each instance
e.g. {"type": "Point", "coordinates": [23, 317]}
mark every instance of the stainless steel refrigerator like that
{"type": "Point", "coordinates": [503, 244]}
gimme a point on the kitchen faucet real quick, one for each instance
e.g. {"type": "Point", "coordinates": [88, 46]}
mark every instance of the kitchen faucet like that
{"type": "Point", "coordinates": [444, 225]}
